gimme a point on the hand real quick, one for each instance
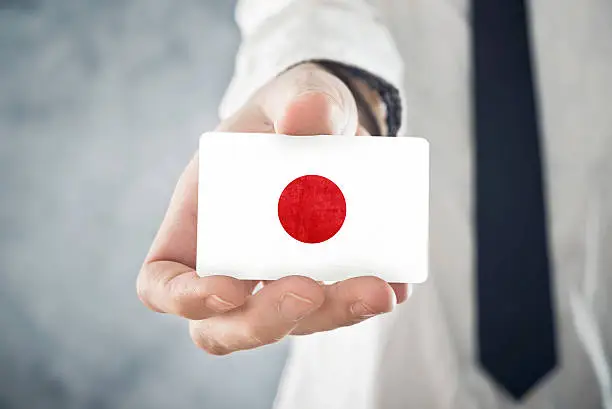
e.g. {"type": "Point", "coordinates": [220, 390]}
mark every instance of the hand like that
{"type": "Point", "coordinates": [224, 314]}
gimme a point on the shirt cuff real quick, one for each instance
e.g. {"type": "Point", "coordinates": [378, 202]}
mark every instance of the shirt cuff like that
{"type": "Point", "coordinates": [389, 95]}
{"type": "Point", "coordinates": [348, 36]}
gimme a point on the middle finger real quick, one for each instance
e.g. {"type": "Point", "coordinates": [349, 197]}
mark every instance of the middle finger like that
{"type": "Point", "coordinates": [265, 318]}
{"type": "Point", "coordinates": [349, 302]}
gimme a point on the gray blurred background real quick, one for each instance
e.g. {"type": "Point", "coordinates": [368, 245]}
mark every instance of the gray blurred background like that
{"type": "Point", "coordinates": [101, 106]}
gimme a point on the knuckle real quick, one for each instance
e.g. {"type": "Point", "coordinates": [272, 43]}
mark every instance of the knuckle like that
{"type": "Point", "coordinates": [212, 347]}
{"type": "Point", "coordinates": [143, 291]}
{"type": "Point", "coordinates": [181, 301]}
{"type": "Point", "coordinates": [180, 306]}
{"type": "Point", "coordinates": [309, 76]}
{"type": "Point", "coordinates": [254, 336]}
{"type": "Point", "coordinates": [208, 343]}
{"type": "Point", "coordinates": [248, 338]}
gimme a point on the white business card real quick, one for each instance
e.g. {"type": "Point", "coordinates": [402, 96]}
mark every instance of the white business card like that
{"type": "Point", "coordinates": [326, 207]}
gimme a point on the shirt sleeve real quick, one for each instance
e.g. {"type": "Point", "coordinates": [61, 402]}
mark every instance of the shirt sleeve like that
{"type": "Point", "coordinates": [277, 34]}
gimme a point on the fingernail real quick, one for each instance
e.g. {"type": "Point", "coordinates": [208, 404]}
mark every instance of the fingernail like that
{"type": "Point", "coordinates": [293, 307]}
{"type": "Point", "coordinates": [359, 309]}
{"type": "Point", "coordinates": [337, 115]}
{"type": "Point", "coordinates": [218, 304]}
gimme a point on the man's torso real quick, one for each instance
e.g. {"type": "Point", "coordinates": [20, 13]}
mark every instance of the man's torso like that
{"type": "Point", "coordinates": [423, 354]}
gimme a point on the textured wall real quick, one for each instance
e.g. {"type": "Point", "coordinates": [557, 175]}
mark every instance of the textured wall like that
{"type": "Point", "coordinates": [101, 104]}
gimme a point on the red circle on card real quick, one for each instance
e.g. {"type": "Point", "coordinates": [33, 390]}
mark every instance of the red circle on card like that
{"type": "Point", "coordinates": [312, 209]}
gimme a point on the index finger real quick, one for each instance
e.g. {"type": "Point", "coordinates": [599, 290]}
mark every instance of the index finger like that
{"type": "Point", "coordinates": [167, 281]}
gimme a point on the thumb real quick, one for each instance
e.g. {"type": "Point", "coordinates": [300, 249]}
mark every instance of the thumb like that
{"type": "Point", "coordinates": [308, 100]}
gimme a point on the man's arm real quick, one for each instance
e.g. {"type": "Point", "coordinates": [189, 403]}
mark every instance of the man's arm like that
{"type": "Point", "coordinates": [276, 91]}
{"type": "Point", "coordinates": [346, 35]}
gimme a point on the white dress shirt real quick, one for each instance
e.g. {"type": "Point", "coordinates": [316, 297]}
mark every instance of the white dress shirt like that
{"type": "Point", "coordinates": [423, 354]}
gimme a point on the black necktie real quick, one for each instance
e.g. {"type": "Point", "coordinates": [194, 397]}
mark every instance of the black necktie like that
{"type": "Point", "coordinates": [515, 314]}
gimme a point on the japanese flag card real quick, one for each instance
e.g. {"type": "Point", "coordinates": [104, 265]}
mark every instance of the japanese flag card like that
{"type": "Point", "coordinates": [326, 207]}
